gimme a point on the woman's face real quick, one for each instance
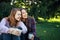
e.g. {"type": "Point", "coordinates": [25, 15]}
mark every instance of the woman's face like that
{"type": "Point", "coordinates": [24, 13]}
{"type": "Point", "coordinates": [18, 15]}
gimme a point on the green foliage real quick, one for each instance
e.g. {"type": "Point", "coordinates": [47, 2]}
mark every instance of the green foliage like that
{"type": "Point", "coordinates": [4, 9]}
{"type": "Point", "coordinates": [43, 8]}
{"type": "Point", "coordinates": [5, 0]}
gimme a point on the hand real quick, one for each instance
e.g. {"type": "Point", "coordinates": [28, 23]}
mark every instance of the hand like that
{"type": "Point", "coordinates": [31, 36]}
{"type": "Point", "coordinates": [10, 30]}
{"type": "Point", "coordinates": [15, 31]}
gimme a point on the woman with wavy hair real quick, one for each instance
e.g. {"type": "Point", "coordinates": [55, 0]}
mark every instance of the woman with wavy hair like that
{"type": "Point", "coordinates": [30, 24]}
{"type": "Point", "coordinates": [12, 26]}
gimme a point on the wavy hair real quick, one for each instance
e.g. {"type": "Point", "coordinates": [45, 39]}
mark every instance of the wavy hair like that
{"type": "Point", "coordinates": [11, 17]}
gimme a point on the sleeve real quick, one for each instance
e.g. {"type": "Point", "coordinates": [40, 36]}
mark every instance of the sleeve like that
{"type": "Point", "coordinates": [24, 28]}
{"type": "Point", "coordinates": [3, 28]}
{"type": "Point", "coordinates": [33, 26]}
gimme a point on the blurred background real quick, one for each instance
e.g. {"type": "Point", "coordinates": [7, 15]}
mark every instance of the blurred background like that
{"type": "Point", "coordinates": [45, 12]}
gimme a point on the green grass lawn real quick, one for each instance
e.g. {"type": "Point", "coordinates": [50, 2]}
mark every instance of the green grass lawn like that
{"type": "Point", "coordinates": [48, 30]}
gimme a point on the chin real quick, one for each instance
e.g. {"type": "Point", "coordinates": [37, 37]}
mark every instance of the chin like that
{"type": "Point", "coordinates": [25, 17]}
{"type": "Point", "coordinates": [18, 20]}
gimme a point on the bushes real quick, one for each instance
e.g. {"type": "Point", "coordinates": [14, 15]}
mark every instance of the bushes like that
{"type": "Point", "coordinates": [4, 9]}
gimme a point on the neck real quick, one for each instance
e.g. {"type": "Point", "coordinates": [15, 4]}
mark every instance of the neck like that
{"type": "Point", "coordinates": [23, 20]}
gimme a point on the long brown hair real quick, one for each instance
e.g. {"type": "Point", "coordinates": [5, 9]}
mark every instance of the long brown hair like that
{"type": "Point", "coordinates": [23, 19]}
{"type": "Point", "coordinates": [11, 17]}
{"type": "Point", "coordinates": [26, 20]}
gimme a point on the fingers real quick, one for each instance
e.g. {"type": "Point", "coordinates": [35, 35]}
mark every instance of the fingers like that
{"type": "Point", "coordinates": [14, 31]}
{"type": "Point", "coordinates": [32, 38]}
{"type": "Point", "coordinates": [17, 33]}
{"type": "Point", "coordinates": [10, 31]}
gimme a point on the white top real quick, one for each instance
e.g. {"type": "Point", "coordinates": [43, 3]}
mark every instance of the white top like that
{"type": "Point", "coordinates": [4, 29]}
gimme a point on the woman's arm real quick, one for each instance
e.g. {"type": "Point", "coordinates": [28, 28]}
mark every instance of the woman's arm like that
{"type": "Point", "coordinates": [33, 26]}
{"type": "Point", "coordinates": [3, 28]}
{"type": "Point", "coordinates": [24, 28]}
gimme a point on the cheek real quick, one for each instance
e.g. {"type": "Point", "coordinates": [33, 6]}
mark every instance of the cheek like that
{"type": "Point", "coordinates": [24, 14]}
{"type": "Point", "coordinates": [15, 17]}
{"type": "Point", "coordinates": [20, 16]}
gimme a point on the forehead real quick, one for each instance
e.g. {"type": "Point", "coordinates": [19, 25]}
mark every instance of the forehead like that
{"type": "Point", "coordinates": [18, 12]}
{"type": "Point", "coordinates": [23, 10]}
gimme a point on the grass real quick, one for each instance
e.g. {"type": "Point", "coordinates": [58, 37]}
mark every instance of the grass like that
{"type": "Point", "coordinates": [50, 19]}
{"type": "Point", "coordinates": [48, 30]}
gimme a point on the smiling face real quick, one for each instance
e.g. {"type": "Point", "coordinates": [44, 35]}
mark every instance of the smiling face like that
{"type": "Point", "coordinates": [24, 13]}
{"type": "Point", "coordinates": [18, 15]}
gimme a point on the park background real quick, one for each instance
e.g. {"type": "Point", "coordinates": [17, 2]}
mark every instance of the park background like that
{"type": "Point", "coordinates": [45, 12]}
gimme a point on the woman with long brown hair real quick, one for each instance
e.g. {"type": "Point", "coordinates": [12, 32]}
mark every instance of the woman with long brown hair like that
{"type": "Point", "coordinates": [14, 25]}
{"type": "Point", "coordinates": [30, 24]}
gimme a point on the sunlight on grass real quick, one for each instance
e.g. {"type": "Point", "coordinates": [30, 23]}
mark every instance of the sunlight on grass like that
{"type": "Point", "coordinates": [54, 20]}
{"type": "Point", "coordinates": [50, 20]}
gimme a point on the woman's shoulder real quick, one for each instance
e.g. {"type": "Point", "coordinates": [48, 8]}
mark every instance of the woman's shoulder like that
{"type": "Point", "coordinates": [20, 23]}
{"type": "Point", "coordinates": [4, 18]}
{"type": "Point", "coordinates": [31, 18]}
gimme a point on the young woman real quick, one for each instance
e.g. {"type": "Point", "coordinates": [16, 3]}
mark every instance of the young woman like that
{"type": "Point", "coordinates": [12, 26]}
{"type": "Point", "coordinates": [30, 24]}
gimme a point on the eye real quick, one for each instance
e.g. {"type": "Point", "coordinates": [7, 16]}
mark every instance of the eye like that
{"type": "Point", "coordinates": [19, 14]}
